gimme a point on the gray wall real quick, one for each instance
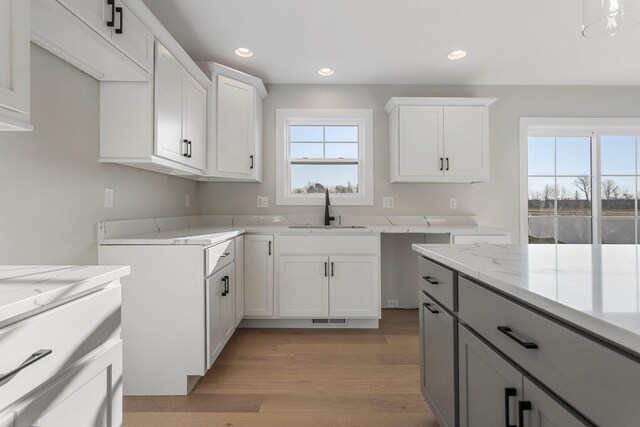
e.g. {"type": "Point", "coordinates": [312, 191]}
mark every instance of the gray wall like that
{"type": "Point", "coordinates": [52, 186]}
{"type": "Point", "coordinates": [495, 202]}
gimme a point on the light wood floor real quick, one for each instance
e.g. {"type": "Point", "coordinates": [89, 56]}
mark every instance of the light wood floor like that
{"type": "Point", "coordinates": [303, 377]}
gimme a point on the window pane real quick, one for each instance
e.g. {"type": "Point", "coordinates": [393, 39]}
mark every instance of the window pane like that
{"type": "Point", "coordinates": [618, 196]}
{"type": "Point", "coordinates": [542, 196]}
{"type": "Point", "coordinates": [306, 133]}
{"type": "Point", "coordinates": [541, 229]}
{"type": "Point", "coordinates": [541, 155]}
{"type": "Point", "coordinates": [618, 155]}
{"type": "Point", "coordinates": [310, 150]}
{"type": "Point", "coordinates": [341, 133]}
{"type": "Point", "coordinates": [315, 178]}
{"type": "Point", "coordinates": [574, 230]}
{"type": "Point", "coordinates": [344, 151]}
{"type": "Point", "coordinates": [573, 155]}
{"type": "Point", "coordinates": [574, 196]}
{"type": "Point", "coordinates": [618, 230]}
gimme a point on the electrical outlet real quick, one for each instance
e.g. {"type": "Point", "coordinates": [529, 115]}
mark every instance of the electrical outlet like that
{"type": "Point", "coordinates": [453, 203]}
{"type": "Point", "coordinates": [187, 200]}
{"type": "Point", "coordinates": [393, 303]}
{"type": "Point", "coordinates": [263, 202]}
{"type": "Point", "coordinates": [388, 202]}
{"type": "Point", "coordinates": [108, 198]}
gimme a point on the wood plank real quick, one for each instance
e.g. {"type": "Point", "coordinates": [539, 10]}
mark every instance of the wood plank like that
{"type": "Point", "coordinates": [195, 403]}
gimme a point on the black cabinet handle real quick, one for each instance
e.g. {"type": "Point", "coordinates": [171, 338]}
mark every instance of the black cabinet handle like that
{"type": "Point", "coordinates": [428, 307]}
{"type": "Point", "coordinates": [522, 406]}
{"type": "Point", "coordinates": [447, 163]}
{"type": "Point", "coordinates": [441, 163]}
{"type": "Point", "coordinates": [325, 269]}
{"type": "Point", "coordinates": [333, 271]}
{"type": "Point", "coordinates": [224, 290]}
{"type": "Point", "coordinates": [269, 247]}
{"type": "Point", "coordinates": [228, 284]}
{"type": "Point", "coordinates": [508, 392]}
{"type": "Point", "coordinates": [431, 280]}
{"type": "Point", "coordinates": [189, 148]}
{"type": "Point", "coordinates": [112, 3]}
{"type": "Point", "coordinates": [185, 147]}
{"type": "Point", "coordinates": [251, 157]}
{"type": "Point", "coordinates": [226, 254]}
{"type": "Point", "coordinates": [119, 30]}
{"type": "Point", "coordinates": [38, 355]}
{"type": "Point", "coordinates": [508, 332]}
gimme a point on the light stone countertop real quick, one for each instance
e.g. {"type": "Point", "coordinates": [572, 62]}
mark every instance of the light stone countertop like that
{"type": "Point", "coordinates": [28, 288]}
{"type": "Point", "coordinates": [595, 288]}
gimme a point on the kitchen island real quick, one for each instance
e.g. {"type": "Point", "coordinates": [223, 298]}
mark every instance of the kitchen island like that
{"type": "Point", "coordinates": [530, 335]}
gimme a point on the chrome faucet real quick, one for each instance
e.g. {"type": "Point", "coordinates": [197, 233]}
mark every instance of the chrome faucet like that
{"type": "Point", "coordinates": [327, 203]}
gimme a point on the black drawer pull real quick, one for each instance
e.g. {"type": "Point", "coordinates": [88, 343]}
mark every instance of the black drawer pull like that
{"type": "Point", "coordinates": [523, 406]}
{"type": "Point", "coordinates": [226, 254]}
{"type": "Point", "coordinates": [508, 332]}
{"type": "Point", "coordinates": [508, 392]}
{"type": "Point", "coordinates": [40, 354]}
{"type": "Point", "coordinates": [119, 30]}
{"type": "Point", "coordinates": [431, 280]}
{"type": "Point", "coordinates": [224, 290]}
{"type": "Point", "coordinates": [112, 22]}
{"type": "Point", "coordinates": [428, 307]}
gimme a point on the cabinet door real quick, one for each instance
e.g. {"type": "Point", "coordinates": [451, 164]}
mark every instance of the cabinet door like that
{"type": "Point", "coordinates": [168, 104]}
{"type": "Point", "coordinates": [354, 287]}
{"type": "Point", "coordinates": [258, 276]}
{"type": "Point", "coordinates": [228, 308]}
{"type": "Point", "coordinates": [14, 54]}
{"type": "Point", "coordinates": [541, 410]}
{"type": "Point", "coordinates": [437, 360]}
{"type": "Point", "coordinates": [194, 121]}
{"type": "Point", "coordinates": [304, 286]}
{"type": "Point", "coordinates": [94, 13]}
{"type": "Point", "coordinates": [134, 38]}
{"type": "Point", "coordinates": [239, 279]}
{"type": "Point", "coordinates": [420, 141]}
{"type": "Point", "coordinates": [214, 289]}
{"type": "Point", "coordinates": [466, 142]}
{"type": "Point", "coordinates": [236, 127]}
{"type": "Point", "coordinates": [489, 386]}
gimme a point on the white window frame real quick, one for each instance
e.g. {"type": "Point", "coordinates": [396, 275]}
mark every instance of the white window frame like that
{"type": "Point", "coordinates": [595, 127]}
{"type": "Point", "coordinates": [363, 118]}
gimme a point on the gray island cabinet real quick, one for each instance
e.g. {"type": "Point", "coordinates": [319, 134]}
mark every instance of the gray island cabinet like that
{"type": "Point", "coordinates": [521, 336]}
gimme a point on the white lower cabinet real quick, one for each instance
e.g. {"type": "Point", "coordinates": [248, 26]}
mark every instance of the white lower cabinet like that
{"type": "Point", "coordinates": [227, 309]}
{"type": "Point", "coordinates": [258, 276]}
{"type": "Point", "coordinates": [220, 311]}
{"type": "Point", "coordinates": [304, 286]}
{"type": "Point", "coordinates": [353, 286]}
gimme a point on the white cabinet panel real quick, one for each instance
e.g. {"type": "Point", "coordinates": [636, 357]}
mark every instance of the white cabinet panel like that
{"type": "Point", "coordinates": [95, 13]}
{"type": "Point", "coordinates": [228, 308]}
{"type": "Point", "coordinates": [304, 286]}
{"type": "Point", "coordinates": [421, 141]}
{"type": "Point", "coordinates": [133, 38]}
{"type": "Point", "coordinates": [354, 287]}
{"type": "Point", "coordinates": [466, 136]}
{"type": "Point", "coordinates": [239, 278]}
{"type": "Point", "coordinates": [258, 276]}
{"type": "Point", "coordinates": [236, 120]}
{"type": "Point", "coordinates": [489, 386]}
{"type": "Point", "coordinates": [194, 121]}
{"type": "Point", "coordinates": [14, 64]}
{"type": "Point", "coordinates": [214, 288]}
{"type": "Point", "coordinates": [168, 105]}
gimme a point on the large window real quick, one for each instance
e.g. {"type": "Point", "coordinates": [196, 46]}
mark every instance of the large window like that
{"type": "Point", "coordinates": [319, 150]}
{"type": "Point", "coordinates": [580, 183]}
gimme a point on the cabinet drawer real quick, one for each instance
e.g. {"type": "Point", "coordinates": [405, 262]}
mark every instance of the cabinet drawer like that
{"type": "Point", "coordinates": [70, 331]}
{"type": "Point", "coordinates": [575, 367]}
{"type": "Point", "coordinates": [437, 281]}
{"type": "Point", "coordinates": [218, 256]}
{"type": "Point", "coordinates": [298, 245]}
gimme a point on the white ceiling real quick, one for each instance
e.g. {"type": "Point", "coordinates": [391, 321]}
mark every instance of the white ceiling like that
{"type": "Point", "coordinates": [403, 41]}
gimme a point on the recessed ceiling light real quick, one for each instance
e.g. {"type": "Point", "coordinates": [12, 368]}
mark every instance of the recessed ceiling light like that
{"type": "Point", "coordinates": [457, 54]}
{"type": "Point", "coordinates": [244, 52]}
{"type": "Point", "coordinates": [325, 72]}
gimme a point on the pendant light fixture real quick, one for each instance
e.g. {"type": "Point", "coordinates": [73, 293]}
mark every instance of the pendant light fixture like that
{"type": "Point", "coordinates": [602, 18]}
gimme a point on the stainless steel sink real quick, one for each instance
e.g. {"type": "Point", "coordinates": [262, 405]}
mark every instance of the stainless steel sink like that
{"type": "Point", "coordinates": [328, 227]}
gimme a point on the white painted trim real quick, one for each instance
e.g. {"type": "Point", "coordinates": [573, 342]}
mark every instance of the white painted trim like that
{"type": "Point", "coordinates": [215, 68]}
{"type": "Point", "coordinates": [363, 117]}
{"type": "Point", "coordinates": [428, 101]}
{"type": "Point", "coordinates": [591, 126]}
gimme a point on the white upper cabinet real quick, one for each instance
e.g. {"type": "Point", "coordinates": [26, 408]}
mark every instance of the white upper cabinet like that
{"type": "Point", "coordinates": [14, 65]}
{"type": "Point", "coordinates": [181, 108]}
{"type": "Point", "coordinates": [235, 120]}
{"type": "Point", "coordinates": [439, 139]}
